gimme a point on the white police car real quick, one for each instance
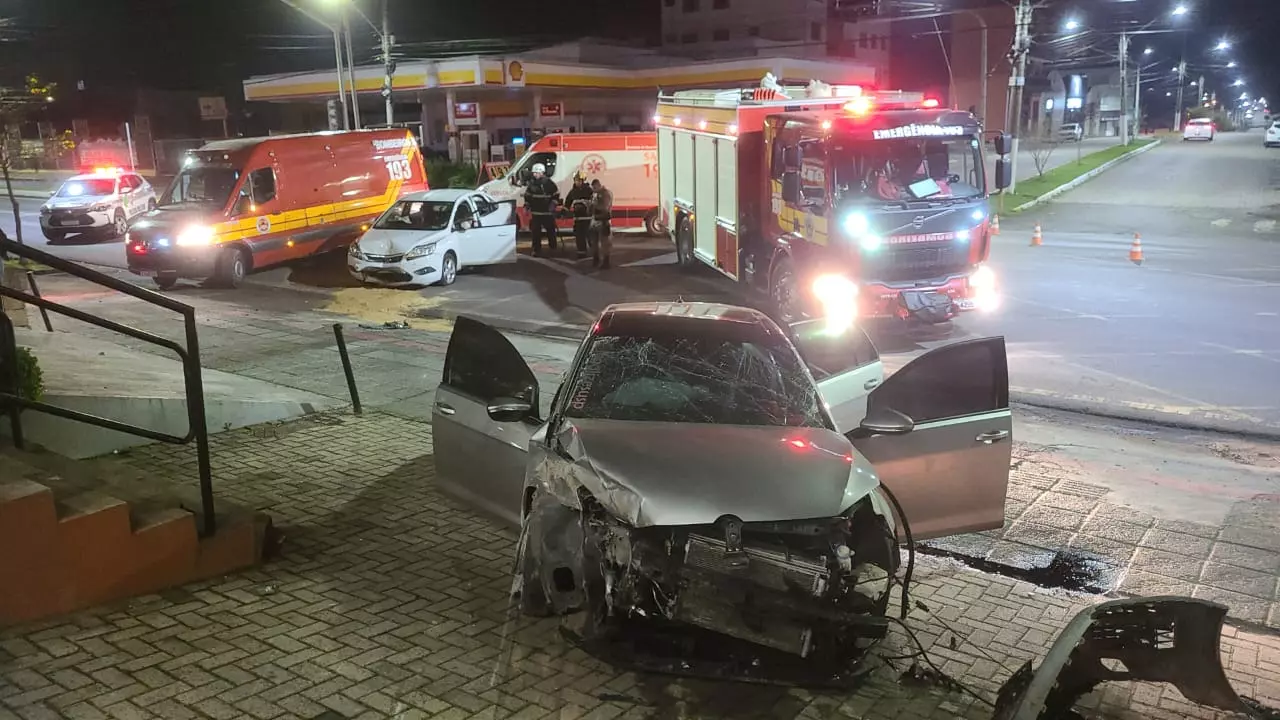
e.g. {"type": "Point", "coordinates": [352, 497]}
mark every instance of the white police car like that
{"type": "Point", "coordinates": [100, 202]}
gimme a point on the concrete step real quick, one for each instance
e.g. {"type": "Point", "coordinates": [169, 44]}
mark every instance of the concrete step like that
{"type": "Point", "coordinates": [69, 541]}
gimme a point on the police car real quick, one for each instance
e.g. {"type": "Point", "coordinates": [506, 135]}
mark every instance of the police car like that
{"type": "Point", "coordinates": [102, 202]}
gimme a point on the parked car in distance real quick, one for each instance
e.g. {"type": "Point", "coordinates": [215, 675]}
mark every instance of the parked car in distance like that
{"type": "Point", "coordinates": [1272, 138]}
{"type": "Point", "coordinates": [1199, 129]}
{"type": "Point", "coordinates": [1071, 132]}
{"type": "Point", "coordinates": [426, 237]}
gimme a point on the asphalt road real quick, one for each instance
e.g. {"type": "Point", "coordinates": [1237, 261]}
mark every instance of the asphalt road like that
{"type": "Point", "coordinates": [1189, 337]}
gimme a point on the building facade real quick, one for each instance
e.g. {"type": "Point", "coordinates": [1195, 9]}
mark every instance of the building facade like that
{"type": "Point", "coordinates": [486, 108]}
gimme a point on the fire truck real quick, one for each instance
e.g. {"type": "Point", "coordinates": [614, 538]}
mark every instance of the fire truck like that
{"type": "Point", "coordinates": [832, 200]}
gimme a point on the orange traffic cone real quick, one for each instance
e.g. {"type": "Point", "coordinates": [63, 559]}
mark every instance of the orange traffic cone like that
{"type": "Point", "coordinates": [1135, 250]}
{"type": "Point", "coordinates": [1037, 238]}
{"type": "Point", "coordinates": [995, 224]}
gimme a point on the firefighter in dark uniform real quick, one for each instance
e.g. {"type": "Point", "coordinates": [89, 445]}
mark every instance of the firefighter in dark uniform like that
{"type": "Point", "coordinates": [601, 223]}
{"type": "Point", "coordinates": [540, 198]}
{"type": "Point", "coordinates": [579, 202]}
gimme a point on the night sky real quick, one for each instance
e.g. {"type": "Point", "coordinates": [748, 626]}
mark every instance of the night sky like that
{"type": "Point", "coordinates": [211, 45]}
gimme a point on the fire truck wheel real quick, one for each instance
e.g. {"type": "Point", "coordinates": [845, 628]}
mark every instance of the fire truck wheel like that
{"type": "Point", "coordinates": [783, 291]}
{"type": "Point", "coordinates": [684, 245]}
{"type": "Point", "coordinates": [233, 266]}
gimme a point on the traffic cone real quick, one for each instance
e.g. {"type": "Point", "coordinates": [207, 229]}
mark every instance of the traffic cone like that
{"type": "Point", "coordinates": [995, 224]}
{"type": "Point", "coordinates": [1135, 250]}
{"type": "Point", "coordinates": [1037, 238]}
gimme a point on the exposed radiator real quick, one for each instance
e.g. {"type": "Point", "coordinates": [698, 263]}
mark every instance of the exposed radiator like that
{"type": "Point", "coordinates": [717, 585]}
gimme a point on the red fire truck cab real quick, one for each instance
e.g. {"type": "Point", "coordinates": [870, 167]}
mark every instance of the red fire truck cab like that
{"type": "Point", "coordinates": [245, 204]}
{"type": "Point", "coordinates": [830, 199]}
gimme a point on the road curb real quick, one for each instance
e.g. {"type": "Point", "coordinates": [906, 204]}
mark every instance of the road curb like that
{"type": "Point", "coordinates": [560, 331]}
{"type": "Point", "coordinates": [1076, 407]}
{"type": "Point", "coordinates": [1071, 185]}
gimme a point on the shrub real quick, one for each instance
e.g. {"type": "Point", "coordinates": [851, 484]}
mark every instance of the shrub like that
{"type": "Point", "coordinates": [444, 173]}
{"type": "Point", "coordinates": [30, 376]}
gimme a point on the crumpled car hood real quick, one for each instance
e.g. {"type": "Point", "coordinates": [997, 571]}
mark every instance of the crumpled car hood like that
{"type": "Point", "coordinates": [397, 242]}
{"type": "Point", "coordinates": [649, 473]}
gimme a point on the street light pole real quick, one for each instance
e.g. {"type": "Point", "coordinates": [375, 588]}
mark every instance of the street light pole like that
{"type": "Point", "coordinates": [1124, 89]}
{"type": "Point", "coordinates": [386, 61]}
{"type": "Point", "coordinates": [351, 73]}
{"type": "Point", "coordinates": [1021, 44]}
{"type": "Point", "coordinates": [337, 55]}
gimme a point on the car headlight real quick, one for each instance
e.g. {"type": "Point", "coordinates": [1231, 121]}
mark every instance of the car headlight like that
{"type": "Point", "coordinates": [978, 215]}
{"type": "Point", "coordinates": [870, 242]}
{"type": "Point", "coordinates": [354, 251]}
{"type": "Point", "coordinates": [100, 207]}
{"type": "Point", "coordinates": [195, 236]}
{"type": "Point", "coordinates": [420, 251]}
{"type": "Point", "coordinates": [963, 235]}
{"type": "Point", "coordinates": [46, 210]}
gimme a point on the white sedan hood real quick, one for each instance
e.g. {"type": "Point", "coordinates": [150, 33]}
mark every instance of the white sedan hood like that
{"type": "Point", "coordinates": [397, 242]}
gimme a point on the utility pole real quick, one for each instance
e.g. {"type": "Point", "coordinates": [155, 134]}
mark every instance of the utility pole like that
{"type": "Point", "coordinates": [351, 73]}
{"type": "Point", "coordinates": [342, 90]}
{"type": "Point", "coordinates": [1124, 89]}
{"type": "Point", "coordinates": [388, 67]}
{"type": "Point", "coordinates": [1137, 99]}
{"type": "Point", "coordinates": [1021, 44]}
{"type": "Point", "coordinates": [1182, 84]}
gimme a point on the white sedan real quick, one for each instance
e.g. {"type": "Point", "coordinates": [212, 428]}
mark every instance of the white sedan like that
{"type": "Point", "coordinates": [1199, 129]}
{"type": "Point", "coordinates": [1272, 138]}
{"type": "Point", "coordinates": [426, 237]}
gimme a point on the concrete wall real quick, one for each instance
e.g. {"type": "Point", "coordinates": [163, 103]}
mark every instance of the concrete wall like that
{"type": "Point", "coordinates": [966, 57]}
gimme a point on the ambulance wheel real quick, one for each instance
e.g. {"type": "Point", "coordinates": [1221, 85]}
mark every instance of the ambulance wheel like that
{"type": "Point", "coordinates": [653, 226]}
{"type": "Point", "coordinates": [684, 245]}
{"type": "Point", "coordinates": [232, 268]}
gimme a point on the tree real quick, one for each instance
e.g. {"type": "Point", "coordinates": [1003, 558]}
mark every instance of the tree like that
{"type": "Point", "coordinates": [1041, 150]}
{"type": "Point", "coordinates": [16, 105]}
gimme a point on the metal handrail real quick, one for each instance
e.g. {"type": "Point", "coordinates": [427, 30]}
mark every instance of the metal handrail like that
{"type": "Point", "coordinates": [197, 425]}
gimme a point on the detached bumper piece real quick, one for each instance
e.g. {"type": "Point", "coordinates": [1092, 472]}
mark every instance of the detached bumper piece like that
{"type": "Point", "coordinates": [1172, 640]}
{"type": "Point", "coordinates": [928, 306]}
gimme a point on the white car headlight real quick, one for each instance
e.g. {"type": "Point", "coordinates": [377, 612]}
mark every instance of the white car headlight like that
{"type": "Point", "coordinates": [420, 251]}
{"type": "Point", "coordinates": [46, 210]}
{"type": "Point", "coordinates": [354, 251]}
{"type": "Point", "coordinates": [196, 235]}
{"type": "Point", "coordinates": [100, 207]}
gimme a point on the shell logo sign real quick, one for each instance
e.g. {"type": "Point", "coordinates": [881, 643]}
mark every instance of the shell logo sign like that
{"type": "Point", "coordinates": [515, 73]}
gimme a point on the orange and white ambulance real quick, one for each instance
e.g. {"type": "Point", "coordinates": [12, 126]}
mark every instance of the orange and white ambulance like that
{"type": "Point", "coordinates": [627, 164]}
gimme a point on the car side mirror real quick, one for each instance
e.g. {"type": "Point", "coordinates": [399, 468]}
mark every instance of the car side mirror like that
{"type": "Point", "coordinates": [791, 186]}
{"type": "Point", "coordinates": [1004, 173]}
{"type": "Point", "coordinates": [791, 157]}
{"type": "Point", "coordinates": [886, 421]}
{"type": "Point", "coordinates": [1004, 143]}
{"type": "Point", "coordinates": [505, 409]}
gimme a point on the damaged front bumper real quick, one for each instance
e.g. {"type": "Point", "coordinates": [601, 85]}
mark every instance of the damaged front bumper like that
{"type": "Point", "coordinates": [1173, 640]}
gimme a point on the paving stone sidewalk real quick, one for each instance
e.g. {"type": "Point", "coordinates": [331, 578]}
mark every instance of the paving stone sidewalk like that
{"type": "Point", "coordinates": [390, 600]}
{"type": "Point", "coordinates": [283, 337]}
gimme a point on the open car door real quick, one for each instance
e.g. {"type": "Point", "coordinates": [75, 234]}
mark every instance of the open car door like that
{"type": "Point", "coordinates": [485, 412]}
{"type": "Point", "coordinates": [845, 365]}
{"type": "Point", "coordinates": [493, 240]}
{"type": "Point", "coordinates": [950, 471]}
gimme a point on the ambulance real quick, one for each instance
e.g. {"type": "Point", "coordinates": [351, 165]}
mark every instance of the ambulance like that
{"type": "Point", "coordinates": [627, 164]}
{"type": "Point", "coordinates": [245, 204]}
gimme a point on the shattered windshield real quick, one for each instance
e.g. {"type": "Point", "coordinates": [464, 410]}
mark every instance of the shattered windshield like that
{"type": "Point", "coordinates": [416, 215]}
{"type": "Point", "coordinates": [908, 169]}
{"type": "Point", "coordinates": [685, 379]}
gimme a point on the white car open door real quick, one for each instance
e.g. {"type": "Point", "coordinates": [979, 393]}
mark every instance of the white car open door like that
{"type": "Point", "coordinates": [493, 238]}
{"type": "Point", "coordinates": [846, 366]}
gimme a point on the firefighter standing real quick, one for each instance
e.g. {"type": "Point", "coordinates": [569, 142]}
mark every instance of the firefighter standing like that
{"type": "Point", "coordinates": [540, 197]}
{"type": "Point", "coordinates": [601, 215]}
{"type": "Point", "coordinates": [579, 202]}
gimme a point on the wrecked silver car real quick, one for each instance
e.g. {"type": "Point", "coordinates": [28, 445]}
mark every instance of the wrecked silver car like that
{"type": "Point", "coordinates": [692, 472]}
